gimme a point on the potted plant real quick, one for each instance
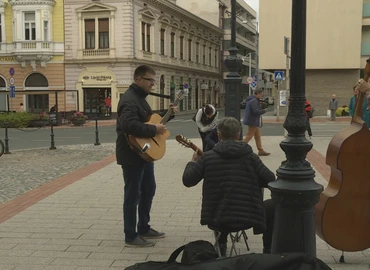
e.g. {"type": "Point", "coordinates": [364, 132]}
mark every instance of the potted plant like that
{"type": "Point", "coordinates": [78, 118]}
{"type": "Point", "coordinates": [40, 120]}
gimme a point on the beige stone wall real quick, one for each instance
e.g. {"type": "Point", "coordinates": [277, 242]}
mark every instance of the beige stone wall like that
{"type": "Point", "coordinates": [321, 84]}
{"type": "Point", "coordinates": [333, 33]}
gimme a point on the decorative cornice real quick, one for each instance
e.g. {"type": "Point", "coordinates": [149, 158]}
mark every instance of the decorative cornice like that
{"type": "Point", "coordinates": [3, 4]}
{"type": "Point", "coordinates": [94, 7]}
{"type": "Point", "coordinates": [31, 2]}
{"type": "Point", "coordinates": [180, 12]}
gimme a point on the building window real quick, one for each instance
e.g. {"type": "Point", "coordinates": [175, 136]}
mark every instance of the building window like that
{"type": "Point", "coordinates": [181, 47]}
{"type": "Point", "coordinates": [103, 33]}
{"type": "Point", "coordinates": [163, 31]}
{"type": "Point", "coordinates": [148, 37]}
{"type": "Point", "coordinates": [1, 30]}
{"type": "Point", "coordinates": [189, 49]}
{"type": "Point", "coordinates": [216, 63]}
{"type": "Point", "coordinates": [90, 34]}
{"type": "Point", "coordinates": [29, 26]}
{"type": "Point", "coordinates": [210, 56]}
{"type": "Point", "coordinates": [143, 35]}
{"type": "Point", "coordinates": [172, 44]}
{"type": "Point", "coordinates": [197, 52]}
{"type": "Point", "coordinates": [204, 54]}
{"type": "Point", "coordinates": [46, 31]}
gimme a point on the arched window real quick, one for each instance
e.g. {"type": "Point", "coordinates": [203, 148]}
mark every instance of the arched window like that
{"type": "Point", "coordinates": [37, 103]}
{"type": "Point", "coordinates": [2, 82]}
{"type": "Point", "coordinates": [36, 80]}
{"type": "Point", "coordinates": [3, 103]}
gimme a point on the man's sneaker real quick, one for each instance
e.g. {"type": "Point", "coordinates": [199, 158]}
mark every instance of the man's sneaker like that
{"type": "Point", "coordinates": [153, 234]}
{"type": "Point", "coordinates": [139, 242]}
{"type": "Point", "coordinates": [263, 153]}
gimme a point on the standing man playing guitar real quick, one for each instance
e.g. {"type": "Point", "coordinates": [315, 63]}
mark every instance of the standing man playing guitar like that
{"type": "Point", "coordinates": [138, 174]}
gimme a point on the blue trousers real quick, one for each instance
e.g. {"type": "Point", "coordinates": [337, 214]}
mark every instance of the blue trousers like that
{"type": "Point", "coordinates": [139, 191]}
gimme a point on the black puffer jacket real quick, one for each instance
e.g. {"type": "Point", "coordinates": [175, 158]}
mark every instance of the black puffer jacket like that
{"type": "Point", "coordinates": [233, 177]}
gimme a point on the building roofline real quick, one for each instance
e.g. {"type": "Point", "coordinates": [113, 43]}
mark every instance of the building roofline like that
{"type": "Point", "coordinates": [186, 13]}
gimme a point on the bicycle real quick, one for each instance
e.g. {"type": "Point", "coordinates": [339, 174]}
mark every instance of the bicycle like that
{"type": "Point", "coordinates": [2, 148]}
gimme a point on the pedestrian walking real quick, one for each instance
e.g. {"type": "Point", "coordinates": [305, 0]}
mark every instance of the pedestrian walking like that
{"type": "Point", "coordinates": [333, 106]}
{"type": "Point", "coordinates": [309, 113]}
{"type": "Point", "coordinates": [253, 119]}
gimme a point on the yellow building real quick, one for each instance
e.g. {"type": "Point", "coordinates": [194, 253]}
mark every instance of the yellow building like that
{"type": "Point", "coordinates": [32, 54]}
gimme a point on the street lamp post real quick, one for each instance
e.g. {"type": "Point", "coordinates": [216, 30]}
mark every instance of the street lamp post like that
{"type": "Point", "coordinates": [233, 80]}
{"type": "Point", "coordinates": [295, 192]}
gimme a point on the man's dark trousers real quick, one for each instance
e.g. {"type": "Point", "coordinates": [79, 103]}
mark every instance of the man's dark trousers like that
{"type": "Point", "coordinates": [139, 190]}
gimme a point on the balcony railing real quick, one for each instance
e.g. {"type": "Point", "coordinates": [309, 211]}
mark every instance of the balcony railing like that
{"type": "Point", "coordinates": [96, 53]}
{"type": "Point", "coordinates": [32, 47]}
{"type": "Point", "coordinates": [39, 46]}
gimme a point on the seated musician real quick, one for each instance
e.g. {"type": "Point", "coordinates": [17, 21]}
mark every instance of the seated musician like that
{"type": "Point", "coordinates": [233, 176]}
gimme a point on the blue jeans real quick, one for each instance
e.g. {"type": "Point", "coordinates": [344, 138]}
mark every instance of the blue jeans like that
{"type": "Point", "coordinates": [139, 190]}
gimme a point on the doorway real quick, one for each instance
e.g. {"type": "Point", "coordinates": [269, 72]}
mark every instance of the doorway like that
{"type": "Point", "coordinates": [94, 101]}
{"type": "Point", "coordinates": [38, 103]}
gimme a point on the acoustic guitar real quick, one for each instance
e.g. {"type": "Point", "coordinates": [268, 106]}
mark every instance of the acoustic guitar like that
{"type": "Point", "coordinates": [188, 144]}
{"type": "Point", "coordinates": [152, 149]}
{"type": "Point", "coordinates": [343, 213]}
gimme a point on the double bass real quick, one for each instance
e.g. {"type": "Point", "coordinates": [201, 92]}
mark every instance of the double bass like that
{"type": "Point", "coordinates": [343, 212]}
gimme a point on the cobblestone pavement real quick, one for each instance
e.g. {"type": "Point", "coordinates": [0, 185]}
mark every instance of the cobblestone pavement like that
{"type": "Point", "coordinates": [25, 170]}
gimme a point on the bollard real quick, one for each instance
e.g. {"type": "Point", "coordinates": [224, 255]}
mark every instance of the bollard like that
{"type": "Point", "coordinates": [96, 132]}
{"type": "Point", "coordinates": [52, 143]}
{"type": "Point", "coordinates": [6, 146]}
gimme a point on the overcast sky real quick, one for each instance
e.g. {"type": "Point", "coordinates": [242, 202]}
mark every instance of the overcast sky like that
{"type": "Point", "coordinates": [253, 4]}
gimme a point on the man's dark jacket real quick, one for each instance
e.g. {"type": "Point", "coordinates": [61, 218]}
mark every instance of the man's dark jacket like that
{"type": "Point", "coordinates": [133, 111]}
{"type": "Point", "coordinates": [253, 112]}
{"type": "Point", "coordinates": [233, 178]}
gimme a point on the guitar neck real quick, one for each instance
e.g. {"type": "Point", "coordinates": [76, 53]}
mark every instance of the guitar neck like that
{"type": "Point", "coordinates": [196, 148]}
{"type": "Point", "coordinates": [169, 113]}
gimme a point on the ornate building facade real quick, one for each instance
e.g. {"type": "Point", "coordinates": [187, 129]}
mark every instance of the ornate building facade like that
{"type": "Point", "coordinates": [31, 54]}
{"type": "Point", "coordinates": [106, 41]}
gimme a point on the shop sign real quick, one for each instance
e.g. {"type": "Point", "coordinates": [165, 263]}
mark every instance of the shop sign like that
{"type": "Point", "coordinates": [99, 78]}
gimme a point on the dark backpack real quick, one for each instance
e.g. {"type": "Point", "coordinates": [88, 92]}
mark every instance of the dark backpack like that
{"type": "Point", "coordinates": [196, 251]}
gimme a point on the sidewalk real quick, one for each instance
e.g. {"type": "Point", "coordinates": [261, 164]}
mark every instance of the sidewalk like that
{"type": "Point", "coordinates": [75, 222]}
{"type": "Point", "coordinates": [266, 119]}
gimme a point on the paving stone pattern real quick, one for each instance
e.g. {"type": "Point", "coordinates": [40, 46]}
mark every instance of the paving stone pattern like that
{"type": "Point", "coordinates": [25, 170]}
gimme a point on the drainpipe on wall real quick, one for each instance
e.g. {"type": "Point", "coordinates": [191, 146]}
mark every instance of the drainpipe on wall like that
{"type": "Point", "coordinates": [134, 29]}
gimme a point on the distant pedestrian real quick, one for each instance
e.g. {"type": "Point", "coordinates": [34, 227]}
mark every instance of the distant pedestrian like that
{"type": "Point", "coordinates": [333, 106]}
{"type": "Point", "coordinates": [353, 102]}
{"type": "Point", "coordinates": [308, 116]}
{"type": "Point", "coordinates": [21, 107]}
{"type": "Point", "coordinates": [108, 106]}
{"type": "Point", "coordinates": [253, 119]}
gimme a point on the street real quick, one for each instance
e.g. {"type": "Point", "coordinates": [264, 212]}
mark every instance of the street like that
{"type": "Point", "coordinates": [182, 124]}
